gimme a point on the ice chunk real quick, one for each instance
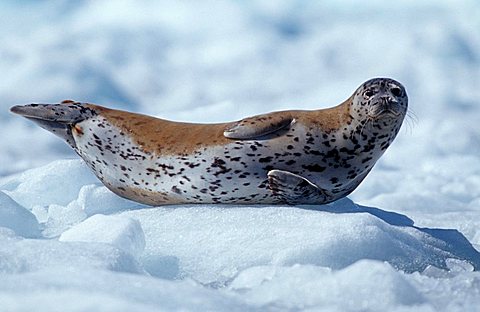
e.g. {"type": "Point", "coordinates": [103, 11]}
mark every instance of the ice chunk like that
{"type": "Point", "coordinates": [120, 231]}
{"type": "Point", "coordinates": [61, 218]}
{"type": "Point", "coordinates": [459, 266]}
{"type": "Point", "coordinates": [17, 218]}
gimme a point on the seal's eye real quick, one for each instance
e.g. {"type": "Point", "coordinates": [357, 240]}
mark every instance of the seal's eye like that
{"type": "Point", "coordinates": [368, 93]}
{"type": "Point", "coordinates": [396, 91]}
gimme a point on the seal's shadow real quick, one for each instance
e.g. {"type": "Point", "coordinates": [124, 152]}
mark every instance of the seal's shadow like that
{"type": "Point", "coordinates": [455, 242]}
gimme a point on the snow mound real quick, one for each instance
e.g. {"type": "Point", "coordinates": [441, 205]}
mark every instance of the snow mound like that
{"type": "Point", "coordinates": [212, 244]}
{"type": "Point", "coordinates": [121, 232]}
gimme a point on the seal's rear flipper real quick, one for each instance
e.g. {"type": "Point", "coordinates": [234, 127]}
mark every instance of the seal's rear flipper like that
{"type": "Point", "coordinates": [56, 118]}
{"type": "Point", "coordinates": [294, 189]}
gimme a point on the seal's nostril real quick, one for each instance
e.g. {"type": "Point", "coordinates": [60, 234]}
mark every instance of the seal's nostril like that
{"type": "Point", "coordinates": [384, 100]}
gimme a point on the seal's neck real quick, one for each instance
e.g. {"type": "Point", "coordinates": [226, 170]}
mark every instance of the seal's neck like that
{"type": "Point", "coordinates": [375, 135]}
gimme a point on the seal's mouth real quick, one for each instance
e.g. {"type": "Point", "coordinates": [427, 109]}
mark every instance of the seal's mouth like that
{"type": "Point", "coordinates": [385, 109]}
{"type": "Point", "coordinates": [385, 113]}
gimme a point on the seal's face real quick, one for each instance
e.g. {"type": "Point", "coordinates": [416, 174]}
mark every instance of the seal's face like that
{"type": "Point", "coordinates": [380, 99]}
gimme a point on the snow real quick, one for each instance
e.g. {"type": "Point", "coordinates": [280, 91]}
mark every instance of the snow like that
{"type": "Point", "coordinates": [406, 240]}
{"type": "Point", "coordinates": [225, 256]}
{"type": "Point", "coordinates": [20, 255]}
{"type": "Point", "coordinates": [285, 236]}
{"type": "Point", "coordinates": [101, 290]}
{"type": "Point", "coordinates": [301, 286]}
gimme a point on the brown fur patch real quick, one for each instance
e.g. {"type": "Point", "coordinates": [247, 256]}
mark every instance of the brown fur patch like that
{"type": "Point", "coordinates": [328, 119]}
{"type": "Point", "coordinates": [161, 136]}
{"type": "Point", "coordinates": [164, 137]}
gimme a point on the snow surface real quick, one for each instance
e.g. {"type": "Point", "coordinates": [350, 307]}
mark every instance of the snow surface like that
{"type": "Point", "coordinates": [406, 240]}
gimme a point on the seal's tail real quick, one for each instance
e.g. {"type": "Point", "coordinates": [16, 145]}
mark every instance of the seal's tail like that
{"type": "Point", "coordinates": [56, 118]}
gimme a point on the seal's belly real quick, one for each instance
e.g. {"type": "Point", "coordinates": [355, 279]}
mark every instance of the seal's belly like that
{"type": "Point", "coordinates": [209, 175]}
{"type": "Point", "coordinates": [230, 173]}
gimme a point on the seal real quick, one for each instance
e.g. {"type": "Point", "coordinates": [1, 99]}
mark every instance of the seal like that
{"type": "Point", "coordinates": [284, 157]}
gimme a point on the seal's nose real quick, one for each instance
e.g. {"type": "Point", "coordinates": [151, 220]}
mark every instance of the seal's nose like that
{"type": "Point", "coordinates": [385, 100]}
{"type": "Point", "coordinates": [388, 105]}
{"type": "Point", "coordinates": [16, 109]}
{"type": "Point", "coordinates": [23, 110]}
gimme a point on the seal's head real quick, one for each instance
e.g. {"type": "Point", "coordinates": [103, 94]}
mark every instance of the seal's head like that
{"type": "Point", "coordinates": [380, 99]}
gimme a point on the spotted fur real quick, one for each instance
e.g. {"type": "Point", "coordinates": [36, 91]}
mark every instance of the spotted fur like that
{"type": "Point", "coordinates": [294, 157]}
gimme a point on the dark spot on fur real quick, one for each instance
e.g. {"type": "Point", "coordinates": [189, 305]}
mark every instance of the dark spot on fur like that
{"type": "Point", "coordinates": [314, 168]}
{"type": "Point", "coordinates": [265, 159]}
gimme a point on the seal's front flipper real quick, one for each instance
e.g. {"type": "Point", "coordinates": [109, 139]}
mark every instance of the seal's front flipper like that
{"type": "Point", "coordinates": [56, 118]}
{"type": "Point", "coordinates": [294, 189]}
{"type": "Point", "coordinates": [259, 126]}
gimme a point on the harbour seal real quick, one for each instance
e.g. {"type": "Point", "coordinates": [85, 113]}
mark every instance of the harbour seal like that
{"type": "Point", "coordinates": [284, 157]}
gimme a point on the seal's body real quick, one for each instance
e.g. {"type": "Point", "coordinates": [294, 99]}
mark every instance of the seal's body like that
{"type": "Point", "coordinates": [293, 157]}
